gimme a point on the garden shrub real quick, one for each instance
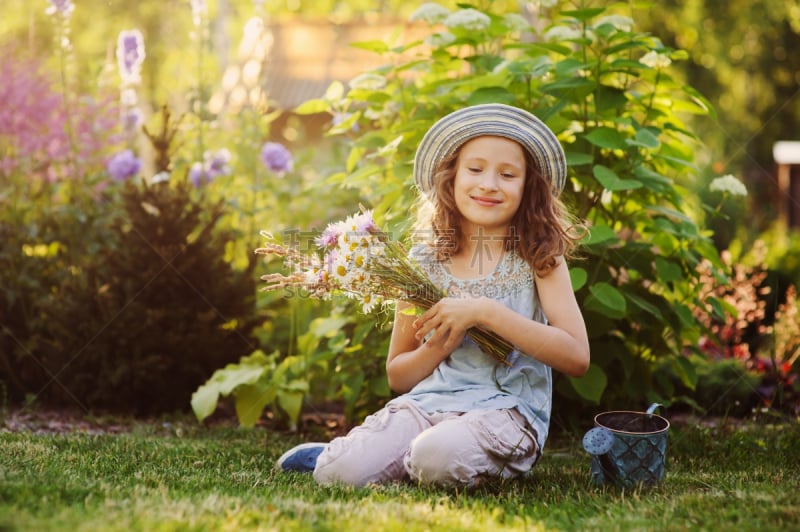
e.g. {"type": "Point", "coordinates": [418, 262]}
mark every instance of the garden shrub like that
{"type": "Point", "coordinates": [51, 211]}
{"type": "Point", "coordinates": [155, 311]}
{"type": "Point", "coordinates": [117, 296]}
{"type": "Point", "coordinates": [607, 91]}
{"type": "Point", "coordinates": [755, 326]}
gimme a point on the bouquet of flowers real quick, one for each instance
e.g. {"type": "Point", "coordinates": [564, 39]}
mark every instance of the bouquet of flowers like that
{"type": "Point", "coordinates": [357, 259]}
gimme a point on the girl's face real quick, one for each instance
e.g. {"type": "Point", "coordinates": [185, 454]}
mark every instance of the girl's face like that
{"type": "Point", "coordinates": [489, 183]}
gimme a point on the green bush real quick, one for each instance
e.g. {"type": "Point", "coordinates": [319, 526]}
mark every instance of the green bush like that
{"type": "Point", "coordinates": [43, 239]}
{"type": "Point", "coordinates": [607, 92]}
{"type": "Point", "coordinates": [138, 323]}
{"type": "Point", "coordinates": [157, 311]}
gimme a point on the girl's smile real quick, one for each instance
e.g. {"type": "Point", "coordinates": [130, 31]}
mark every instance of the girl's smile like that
{"type": "Point", "coordinates": [489, 183]}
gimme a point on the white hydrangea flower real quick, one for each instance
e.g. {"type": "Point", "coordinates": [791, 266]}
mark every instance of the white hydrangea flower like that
{"type": "Point", "coordinates": [561, 33]}
{"type": "Point", "coordinates": [620, 22]}
{"type": "Point", "coordinates": [728, 184]}
{"type": "Point", "coordinates": [469, 19]}
{"type": "Point", "coordinates": [430, 12]}
{"type": "Point", "coordinates": [575, 127]}
{"type": "Point", "coordinates": [440, 40]}
{"type": "Point", "coordinates": [517, 22]}
{"type": "Point", "coordinates": [654, 59]}
{"type": "Point", "coordinates": [537, 4]}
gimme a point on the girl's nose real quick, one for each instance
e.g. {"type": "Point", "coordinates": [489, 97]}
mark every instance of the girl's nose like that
{"type": "Point", "coordinates": [489, 181]}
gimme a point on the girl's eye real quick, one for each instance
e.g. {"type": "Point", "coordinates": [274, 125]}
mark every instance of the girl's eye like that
{"type": "Point", "coordinates": [508, 176]}
{"type": "Point", "coordinates": [474, 170]}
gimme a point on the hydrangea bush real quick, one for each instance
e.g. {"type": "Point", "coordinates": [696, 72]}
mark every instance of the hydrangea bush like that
{"type": "Point", "coordinates": [608, 93]}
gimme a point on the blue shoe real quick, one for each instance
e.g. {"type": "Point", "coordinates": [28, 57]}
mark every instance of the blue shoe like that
{"type": "Point", "coordinates": [302, 458]}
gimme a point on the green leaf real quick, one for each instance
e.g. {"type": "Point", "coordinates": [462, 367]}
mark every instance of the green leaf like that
{"type": "Point", "coordinates": [327, 327]}
{"type": "Point", "coordinates": [609, 98]}
{"type": "Point", "coordinates": [583, 14]}
{"type": "Point", "coordinates": [644, 305]}
{"type": "Point", "coordinates": [251, 399]}
{"type": "Point", "coordinates": [224, 381]}
{"type": "Point", "coordinates": [578, 159]}
{"type": "Point", "coordinates": [311, 107]}
{"type": "Point", "coordinates": [491, 95]}
{"type": "Point", "coordinates": [685, 314]}
{"type": "Point", "coordinates": [666, 243]}
{"type": "Point", "coordinates": [686, 371]}
{"type": "Point", "coordinates": [609, 296]}
{"type": "Point", "coordinates": [527, 67]}
{"type": "Point", "coordinates": [379, 386]}
{"type": "Point", "coordinates": [290, 399]}
{"type": "Point", "coordinates": [668, 271]}
{"type": "Point", "coordinates": [573, 88]}
{"type": "Point", "coordinates": [335, 91]}
{"type": "Point", "coordinates": [606, 137]}
{"type": "Point", "coordinates": [345, 125]}
{"type": "Point", "coordinates": [700, 100]}
{"type": "Point", "coordinates": [306, 343]}
{"type": "Point", "coordinates": [611, 181]}
{"type": "Point", "coordinates": [376, 46]}
{"type": "Point", "coordinates": [292, 403]}
{"type": "Point", "coordinates": [653, 180]}
{"type": "Point", "coordinates": [577, 277]}
{"type": "Point", "coordinates": [646, 138]}
{"type": "Point", "coordinates": [204, 401]}
{"type": "Point", "coordinates": [354, 157]}
{"type": "Point", "coordinates": [718, 308]}
{"type": "Point", "coordinates": [601, 233]}
{"type": "Point", "coordinates": [592, 385]}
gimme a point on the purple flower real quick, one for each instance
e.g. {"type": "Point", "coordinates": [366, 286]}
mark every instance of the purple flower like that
{"type": "Point", "coordinates": [124, 165]}
{"type": "Point", "coordinates": [276, 157]}
{"type": "Point", "coordinates": [132, 119]}
{"type": "Point", "coordinates": [328, 238]}
{"type": "Point", "coordinates": [198, 175]}
{"type": "Point", "coordinates": [63, 7]}
{"type": "Point", "coordinates": [214, 165]}
{"type": "Point", "coordinates": [365, 223]}
{"type": "Point", "coordinates": [34, 122]}
{"type": "Point", "coordinates": [218, 162]}
{"type": "Point", "coordinates": [130, 55]}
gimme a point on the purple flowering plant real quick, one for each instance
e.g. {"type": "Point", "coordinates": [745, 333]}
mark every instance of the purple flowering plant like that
{"type": "Point", "coordinates": [124, 165]}
{"type": "Point", "coordinates": [62, 7]}
{"type": "Point", "coordinates": [34, 122]}
{"type": "Point", "coordinates": [130, 55]}
{"type": "Point", "coordinates": [276, 157]}
{"type": "Point", "coordinates": [214, 165]}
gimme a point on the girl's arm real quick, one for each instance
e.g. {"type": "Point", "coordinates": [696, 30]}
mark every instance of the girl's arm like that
{"type": "Point", "coordinates": [562, 344]}
{"type": "Point", "coordinates": [409, 360]}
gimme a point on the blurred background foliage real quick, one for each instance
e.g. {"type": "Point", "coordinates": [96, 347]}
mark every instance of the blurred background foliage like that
{"type": "Point", "coordinates": [65, 241]}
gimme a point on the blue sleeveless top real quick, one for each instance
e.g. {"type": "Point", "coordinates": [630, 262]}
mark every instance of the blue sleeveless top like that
{"type": "Point", "coordinates": [469, 379]}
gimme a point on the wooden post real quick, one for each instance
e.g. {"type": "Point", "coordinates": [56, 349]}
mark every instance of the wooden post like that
{"type": "Point", "coordinates": [787, 161]}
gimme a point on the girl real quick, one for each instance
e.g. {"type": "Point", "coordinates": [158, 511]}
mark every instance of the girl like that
{"type": "Point", "coordinates": [491, 175]}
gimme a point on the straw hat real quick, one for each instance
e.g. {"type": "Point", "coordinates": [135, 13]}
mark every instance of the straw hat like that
{"type": "Point", "coordinates": [455, 129]}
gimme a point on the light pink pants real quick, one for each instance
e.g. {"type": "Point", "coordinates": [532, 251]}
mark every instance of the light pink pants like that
{"type": "Point", "coordinates": [401, 441]}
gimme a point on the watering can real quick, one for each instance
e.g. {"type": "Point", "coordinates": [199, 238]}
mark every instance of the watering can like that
{"type": "Point", "coordinates": [627, 448]}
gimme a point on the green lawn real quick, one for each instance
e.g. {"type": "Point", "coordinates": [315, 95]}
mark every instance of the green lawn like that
{"type": "Point", "coordinates": [181, 476]}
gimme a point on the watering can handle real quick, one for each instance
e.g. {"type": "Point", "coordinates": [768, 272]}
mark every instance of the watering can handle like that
{"type": "Point", "coordinates": [652, 408]}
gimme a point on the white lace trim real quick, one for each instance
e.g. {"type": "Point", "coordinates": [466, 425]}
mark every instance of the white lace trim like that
{"type": "Point", "coordinates": [511, 276]}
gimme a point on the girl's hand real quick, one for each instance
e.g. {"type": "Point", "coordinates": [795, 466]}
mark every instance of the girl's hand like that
{"type": "Point", "coordinates": [449, 320]}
